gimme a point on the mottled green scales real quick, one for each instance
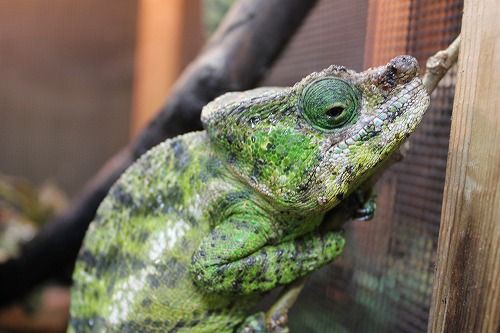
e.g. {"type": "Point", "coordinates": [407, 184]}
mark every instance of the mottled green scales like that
{"type": "Point", "coordinates": [192, 235]}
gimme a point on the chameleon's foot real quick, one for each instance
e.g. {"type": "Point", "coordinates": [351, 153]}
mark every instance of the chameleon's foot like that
{"type": "Point", "coordinates": [254, 324]}
{"type": "Point", "coordinates": [277, 315]}
{"type": "Point", "coordinates": [366, 205]}
{"type": "Point", "coordinates": [258, 323]}
{"type": "Point", "coordinates": [275, 320]}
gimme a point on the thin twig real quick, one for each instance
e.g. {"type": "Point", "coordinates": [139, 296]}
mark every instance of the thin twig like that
{"type": "Point", "coordinates": [439, 64]}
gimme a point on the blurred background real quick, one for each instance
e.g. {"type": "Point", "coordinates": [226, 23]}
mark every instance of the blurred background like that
{"type": "Point", "coordinates": [81, 78]}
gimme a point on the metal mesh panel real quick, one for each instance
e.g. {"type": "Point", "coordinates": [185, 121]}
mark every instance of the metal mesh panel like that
{"type": "Point", "coordinates": [383, 282]}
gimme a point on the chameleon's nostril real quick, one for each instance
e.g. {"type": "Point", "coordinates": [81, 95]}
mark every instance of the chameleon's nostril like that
{"type": "Point", "coordinates": [404, 68]}
{"type": "Point", "coordinates": [400, 70]}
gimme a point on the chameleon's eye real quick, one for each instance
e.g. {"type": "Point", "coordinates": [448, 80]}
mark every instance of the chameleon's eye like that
{"type": "Point", "coordinates": [329, 103]}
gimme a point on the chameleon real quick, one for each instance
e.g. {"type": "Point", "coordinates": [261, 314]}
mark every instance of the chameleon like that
{"type": "Point", "coordinates": [201, 226]}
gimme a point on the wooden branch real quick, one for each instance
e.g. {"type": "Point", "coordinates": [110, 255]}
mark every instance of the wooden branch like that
{"type": "Point", "coordinates": [466, 295]}
{"type": "Point", "coordinates": [236, 58]}
{"type": "Point", "coordinates": [439, 64]}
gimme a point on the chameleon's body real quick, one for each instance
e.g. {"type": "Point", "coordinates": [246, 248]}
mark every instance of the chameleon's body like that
{"type": "Point", "coordinates": [200, 226]}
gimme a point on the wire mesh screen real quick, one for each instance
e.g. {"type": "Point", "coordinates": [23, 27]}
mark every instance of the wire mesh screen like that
{"type": "Point", "coordinates": [332, 34]}
{"type": "Point", "coordinates": [383, 282]}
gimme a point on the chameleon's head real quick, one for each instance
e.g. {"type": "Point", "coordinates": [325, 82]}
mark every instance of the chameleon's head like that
{"type": "Point", "coordinates": [308, 146]}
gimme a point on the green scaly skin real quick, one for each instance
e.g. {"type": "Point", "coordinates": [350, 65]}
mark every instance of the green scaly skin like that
{"type": "Point", "coordinates": [192, 235]}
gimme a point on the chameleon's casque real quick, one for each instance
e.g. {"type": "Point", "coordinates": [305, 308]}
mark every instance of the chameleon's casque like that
{"type": "Point", "coordinates": [200, 226]}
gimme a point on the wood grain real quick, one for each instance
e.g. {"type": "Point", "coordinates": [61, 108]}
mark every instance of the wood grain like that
{"type": "Point", "coordinates": [466, 295]}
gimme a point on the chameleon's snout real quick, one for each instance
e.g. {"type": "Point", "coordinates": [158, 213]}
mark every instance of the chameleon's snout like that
{"type": "Point", "coordinates": [400, 70]}
{"type": "Point", "coordinates": [406, 67]}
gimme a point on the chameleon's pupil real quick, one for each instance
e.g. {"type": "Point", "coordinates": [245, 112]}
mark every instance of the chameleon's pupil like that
{"type": "Point", "coordinates": [335, 111]}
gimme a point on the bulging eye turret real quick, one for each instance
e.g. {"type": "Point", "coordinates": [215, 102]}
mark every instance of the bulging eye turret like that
{"type": "Point", "coordinates": [330, 103]}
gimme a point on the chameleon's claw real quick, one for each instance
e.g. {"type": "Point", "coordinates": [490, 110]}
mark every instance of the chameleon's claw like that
{"type": "Point", "coordinates": [365, 214]}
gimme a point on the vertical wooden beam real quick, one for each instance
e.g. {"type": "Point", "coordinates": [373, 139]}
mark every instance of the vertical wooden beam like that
{"type": "Point", "coordinates": [168, 37]}
{"type": "Point", "coordinates": [466, 295]}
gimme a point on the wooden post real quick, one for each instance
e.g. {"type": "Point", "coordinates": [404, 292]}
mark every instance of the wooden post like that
{"type": "Point", "coordinates": [168, 36]}
{"type": "Point", "coordinates": [466, 295]}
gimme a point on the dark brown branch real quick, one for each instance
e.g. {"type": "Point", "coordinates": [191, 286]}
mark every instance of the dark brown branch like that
{"type": "Point", "coordinates": [236, 58]}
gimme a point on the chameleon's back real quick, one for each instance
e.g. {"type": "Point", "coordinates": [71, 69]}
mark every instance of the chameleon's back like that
{"type": "Point", "coordinates": [132, 272]}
